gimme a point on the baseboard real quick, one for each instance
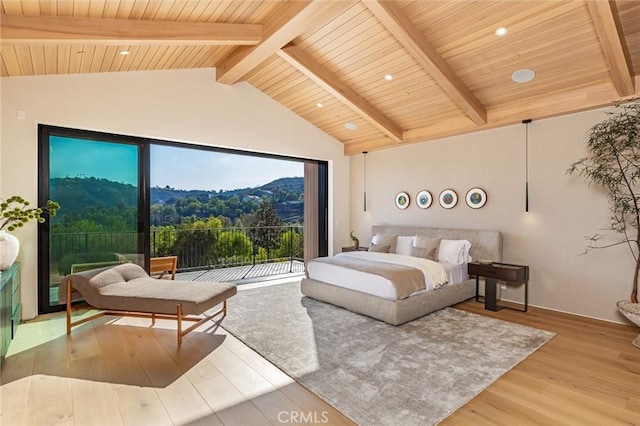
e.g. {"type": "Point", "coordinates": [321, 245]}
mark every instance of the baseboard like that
{"type": "Point", "coordinates": [567, 312]}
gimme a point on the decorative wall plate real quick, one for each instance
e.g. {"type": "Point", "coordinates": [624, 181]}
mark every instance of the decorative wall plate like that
{"type": "Point", "coordinates": [476, 198]}
{"type": "Point", "coordinates": [402, 200]}
{"type": "Point", "coordinates": [448, 198]}
{"type": "Point", "coordinates": [424, 199]}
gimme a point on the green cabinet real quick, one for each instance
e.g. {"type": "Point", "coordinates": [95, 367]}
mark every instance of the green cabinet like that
{"type": "Point", "coordinates": [10, 307]}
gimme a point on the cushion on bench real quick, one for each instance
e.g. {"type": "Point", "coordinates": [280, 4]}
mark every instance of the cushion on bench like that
{"type": "Point", "coordinates": [127, 287]}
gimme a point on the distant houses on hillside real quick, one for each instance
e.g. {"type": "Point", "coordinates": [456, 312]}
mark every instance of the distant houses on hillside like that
{"type": "Point", "coordinates": [255, 198]}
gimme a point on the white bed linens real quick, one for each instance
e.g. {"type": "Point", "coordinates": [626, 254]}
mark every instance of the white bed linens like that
{"type": "Point", "coordinates": [435, 274]}
{"type": "Point", "coordinates": [456, 273]}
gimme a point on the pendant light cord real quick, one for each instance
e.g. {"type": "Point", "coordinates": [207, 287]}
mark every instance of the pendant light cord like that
{"type": "Point", "coordinates": [364, 153]}
{"type": "Point", "coordinates": [526, 165]}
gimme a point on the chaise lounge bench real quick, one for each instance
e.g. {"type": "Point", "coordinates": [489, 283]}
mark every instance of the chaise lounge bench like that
{"type": "Point", "coordinates": [127, 290]}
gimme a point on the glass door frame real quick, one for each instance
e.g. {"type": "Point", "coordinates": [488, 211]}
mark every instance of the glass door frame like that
{"type": "Point", "coordinates": [143, 225]}
{"type": "Point", "coordinates": [144, 214]}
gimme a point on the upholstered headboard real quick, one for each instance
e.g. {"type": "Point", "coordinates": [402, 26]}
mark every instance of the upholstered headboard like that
{"type": "Point", "coordinates": [484, 244]}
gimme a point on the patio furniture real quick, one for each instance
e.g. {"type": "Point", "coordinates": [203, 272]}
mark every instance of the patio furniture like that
{"type": "Point", "coordinates": [127, 290]}
{"type": "Point", "coordinates": [159, 266]}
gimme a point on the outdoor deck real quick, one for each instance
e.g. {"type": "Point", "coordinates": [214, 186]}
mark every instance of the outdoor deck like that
{"type": "Point", "coordinates": [246, 274]}
{"type": "Point", "coordinates": [238, 275]}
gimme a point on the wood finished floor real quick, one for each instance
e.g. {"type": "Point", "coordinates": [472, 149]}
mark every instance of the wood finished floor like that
{"type": "Point", "coordinates": [120, 371]}
{"type": "Point", "coordinates": [588, 374]}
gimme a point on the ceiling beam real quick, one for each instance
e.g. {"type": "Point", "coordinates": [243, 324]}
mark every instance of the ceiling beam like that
{"type": "Point", "coordinates": [609, 29]}
{"type": "Point", "coordinates": [358, 147]}
{"type": "Point", "coordinates": [393, 18]}
{"type": "Point", "coordinates": [536, 108]}
{"type": "Point", "coordinates": [302, 61]}
{"type": "Point", "coordinates": [17, 29]}
{"type": "Point", "coordinates": [284, 24]}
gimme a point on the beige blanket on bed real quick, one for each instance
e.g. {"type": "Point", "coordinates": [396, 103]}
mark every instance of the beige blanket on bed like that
{"type": "Point", "coordinates": [405, 279]}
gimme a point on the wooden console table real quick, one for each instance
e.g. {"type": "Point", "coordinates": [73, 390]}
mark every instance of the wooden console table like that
{"type": "Point", "coordinates": [494, 272]}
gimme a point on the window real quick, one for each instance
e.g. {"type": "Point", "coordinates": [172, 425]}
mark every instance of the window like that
{"type": "Point", "coordinates": [104, 184]}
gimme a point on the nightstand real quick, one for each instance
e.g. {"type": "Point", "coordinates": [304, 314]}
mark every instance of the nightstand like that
{"type": "Point", "coordinates": [352, 248]}
{"type": "Point", "coordinates": [494, 272]}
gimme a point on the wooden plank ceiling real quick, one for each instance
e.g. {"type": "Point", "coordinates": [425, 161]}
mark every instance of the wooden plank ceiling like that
{"type": "Point", "coordinates": [327, 60]}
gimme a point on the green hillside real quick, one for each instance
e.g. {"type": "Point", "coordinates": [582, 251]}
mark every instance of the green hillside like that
{"type": "Point", "coordinates": [293, 185]}
{"type": "Point", "coordinates": [91, 193]}
{"type": "Point", "coordinates": [98, 199]}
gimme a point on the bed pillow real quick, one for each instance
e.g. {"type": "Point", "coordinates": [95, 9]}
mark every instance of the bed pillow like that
{"type": "Point", "coordinates": [424, 252]}
{"type": "Point", "coordinates": [454, 251]}
{"type": "Point", "coordinates": [404, 244]}
{"type": "Point", "coordinates": [426, 242]}
{"type": "Point", "coordinates": [379, 248]}
{"type": "Point", "coordinates": [425, 247]}
{"type": "Point", "coordinates": [385, 240]}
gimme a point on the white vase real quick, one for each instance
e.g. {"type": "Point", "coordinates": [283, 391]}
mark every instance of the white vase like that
{"type": "Point", "coordinates": [632, 312]}
{"type": "Point", "coordinates": [9, 248]}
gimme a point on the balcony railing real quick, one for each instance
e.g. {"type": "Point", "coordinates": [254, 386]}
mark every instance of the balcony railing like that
{"type": "Point", "coordinates": [196, 248]}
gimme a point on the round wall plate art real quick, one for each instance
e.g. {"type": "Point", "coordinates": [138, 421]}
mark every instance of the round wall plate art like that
{"type": "Point", "coordinates": [476, 198]}
{"type": "Point", "coordinates": [448, 198]}
{"type": "Point", "coordinates": [424, 199]}
{"type": "Point", "coordinates": [402, 200]}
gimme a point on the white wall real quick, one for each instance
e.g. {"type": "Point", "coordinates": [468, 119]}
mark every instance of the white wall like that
{"type": "Point", "coordinates": [183, 105]}
{"type": "Point", "coordinates": [563, 209]}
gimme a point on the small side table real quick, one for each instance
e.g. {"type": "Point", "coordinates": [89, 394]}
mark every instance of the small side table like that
{"type": "Point", "coordinates": [492, 273]}
{"type": "Point", "coordinates": [352, 248]}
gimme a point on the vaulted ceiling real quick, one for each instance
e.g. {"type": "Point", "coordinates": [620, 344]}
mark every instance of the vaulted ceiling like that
{"type": "Point", "coordinates": [372, 74]}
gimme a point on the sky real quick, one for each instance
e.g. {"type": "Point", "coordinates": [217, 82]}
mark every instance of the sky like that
{"type": "Point", "coordinates": [85, 158]}
{"type": "Point", "coordinates": [180, 168]}
{"type": "Point", "coordinates": [183, 168]}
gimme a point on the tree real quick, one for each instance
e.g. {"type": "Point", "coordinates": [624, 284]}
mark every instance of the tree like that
{"type": "Point", "coordinates": [613, 161]}
{"type": "Point", "coordinates": [291, 244]}
{"type": "Point", "coordinates": [194, 241]}
{"type": "Point", "coordinates": [163, 239]}
{"type": "Point", "coordinates": [188, 206]}
{"type": "Point", "coordinates": [246, 220]}
{"type": "Point", "coordinates": [233, 246]}
{"type": "Point", "coordinates": [268, 225]}
{"type": "Point", "coordinates": [164, 214]}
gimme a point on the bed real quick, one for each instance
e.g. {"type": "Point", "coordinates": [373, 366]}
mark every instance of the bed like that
{"type": "Point", "coordinates": [354, 282]}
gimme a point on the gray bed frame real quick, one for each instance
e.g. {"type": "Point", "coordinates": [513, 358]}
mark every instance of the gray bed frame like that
{"type": "Point", "coordinates": [484, 245]}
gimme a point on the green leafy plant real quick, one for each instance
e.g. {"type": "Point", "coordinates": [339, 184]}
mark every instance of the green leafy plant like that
{"type": "Point", "coordinates": [15, 212]}
{"type": "Point", "coordinates": [613, 161]}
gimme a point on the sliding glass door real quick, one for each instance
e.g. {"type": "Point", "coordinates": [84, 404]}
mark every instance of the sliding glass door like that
{"type": "Point", "coordinates": [99, 183]}
{"type": "Point", "coordinates": [112, 212]}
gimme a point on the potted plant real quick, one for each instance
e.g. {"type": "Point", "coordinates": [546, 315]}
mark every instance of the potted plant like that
{"type": "Point", "coordinates": [613, 161]}
{"type": "Point", "coordinates": [356, 241]}
{"type": "Point", "coordinates": [14, 213]}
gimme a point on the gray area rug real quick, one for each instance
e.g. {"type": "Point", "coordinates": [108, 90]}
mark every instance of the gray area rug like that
{"type": "Point", "coordinates": [378, 374]}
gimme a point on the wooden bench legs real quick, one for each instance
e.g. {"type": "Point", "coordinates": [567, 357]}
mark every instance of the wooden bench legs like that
{"type": "Point", "coordinates": [198, 320]}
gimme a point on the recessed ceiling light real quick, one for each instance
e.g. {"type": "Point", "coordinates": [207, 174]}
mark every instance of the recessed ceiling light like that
{"type": "Point", "coordinates": [501, 31]}
{"type": "Point", "coordinates": [124, 52]}
{"type": "Point", "coordinates": [388, 77]}
{"type": "Point", "coordinates": [319, 104]}
{"type": "Point", "coordinates": [522, 76]}
{"type": "Point", "coordinates": [350, 126]}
